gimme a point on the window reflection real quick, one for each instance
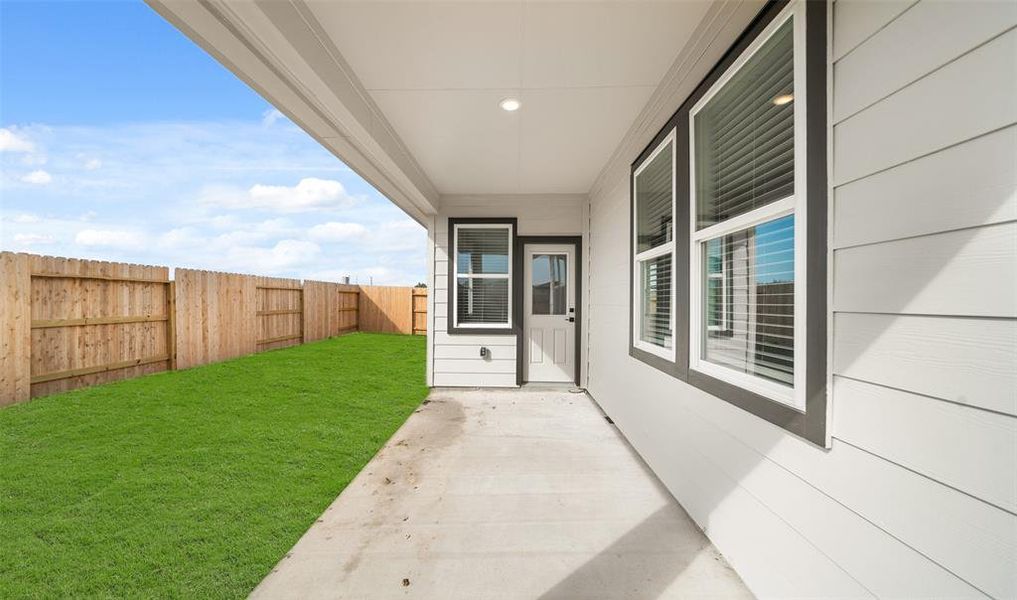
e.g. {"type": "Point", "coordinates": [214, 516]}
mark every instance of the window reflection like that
{"type": "Point", "coordinates": [749, 296]}
{"type": "Point", "coordinates": [549, 291]}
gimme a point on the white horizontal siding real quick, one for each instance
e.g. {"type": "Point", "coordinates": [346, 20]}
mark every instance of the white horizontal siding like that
{"type": "Point", "coordinates": [848, 539]}
{"type": "Point", "coordinates": [966, 98]}
{"type": "Point", "coordinates": [471, 365]}
{"type": "Point", "coordinates": [925, 163]}
{"type": "Point", "coordinates": [854, 21]}
{"type": "Point", "coordinates": [962, 186]}
{"type": "Point", "coordinates": [963, 360]}
{"type": "Point", "coordinates": [970, 272]}
{"type": "Point", "coordinates": [456, 357]}
{"type": "Point", "coordinates": [461, 352]}
{"type": "Point", "coordinates": [886, 510]}
{"type": "Point", "coordinates": [474, 379]}
{"type": "Point", "coordinates": [442, 338]}
{"type": "Point", "coordinates": [974, 451]}
{"type": "Point", "coordinates": [905, 53]}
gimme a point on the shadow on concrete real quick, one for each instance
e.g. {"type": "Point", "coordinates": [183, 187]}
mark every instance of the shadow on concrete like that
{"type": "Point", "coordinates": [639, 565]}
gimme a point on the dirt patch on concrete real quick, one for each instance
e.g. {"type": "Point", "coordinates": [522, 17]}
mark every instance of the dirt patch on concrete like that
{"type": "Point", "coordinates": [394, 478]}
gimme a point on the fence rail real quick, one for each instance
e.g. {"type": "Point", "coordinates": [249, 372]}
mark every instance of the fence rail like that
{"type": "Point", "coordinates": [70, 323]}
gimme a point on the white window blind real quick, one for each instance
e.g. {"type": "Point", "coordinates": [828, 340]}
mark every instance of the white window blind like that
{"type": "Point", "coordinates": [655, 283]}
{"type": "Point", "coordinates": [745, 136]}
{"type": "Point", "coordinates": [483, 259]}
{"type": "Point", "coordinates": [653, 202]}
{"type": "Point", "coordinates": [654, 247]}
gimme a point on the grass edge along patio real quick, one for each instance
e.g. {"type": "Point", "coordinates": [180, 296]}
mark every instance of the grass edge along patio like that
{"type": "Point", "coordinates": [193, 482]}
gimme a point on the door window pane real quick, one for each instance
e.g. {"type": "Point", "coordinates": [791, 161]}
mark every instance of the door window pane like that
{"type": "Point", "coordinates": [758, 314]}
{"type": "Point", "coordinates": [550, 287]}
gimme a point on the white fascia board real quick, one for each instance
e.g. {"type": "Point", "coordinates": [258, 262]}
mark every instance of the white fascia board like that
{"type": "Point", "coordinates": [280, 50]}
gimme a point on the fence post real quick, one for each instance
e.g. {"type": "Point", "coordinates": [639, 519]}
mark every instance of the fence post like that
{"type": "Point", "coordinates": [171, 325]}
{"type": "Point", "coordinates": [15, 328]}
{"type": "Point", "coordinates": [303, 316]}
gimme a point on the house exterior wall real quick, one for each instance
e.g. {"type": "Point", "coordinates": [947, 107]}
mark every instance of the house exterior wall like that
{"type": "Point", "coordinates": [455, 358]}
{"type": "Point", "coordinates": [917, 494]}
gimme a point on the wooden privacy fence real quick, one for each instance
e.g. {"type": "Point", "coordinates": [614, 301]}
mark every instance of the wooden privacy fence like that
{"type": "Point", "coordinates": [392, 309]}
{"type": "Point", "coordinates": [70, 323]}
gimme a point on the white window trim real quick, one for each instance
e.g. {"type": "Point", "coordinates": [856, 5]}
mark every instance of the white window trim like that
{"type": "Point", "coordinates": [508, 276]}
{"type": "Point", "coordinates": [722, 276]}
{"type": "Point", "coordinates": [793, 397]}
{"type": "Point", "coordinates": [655, 252]}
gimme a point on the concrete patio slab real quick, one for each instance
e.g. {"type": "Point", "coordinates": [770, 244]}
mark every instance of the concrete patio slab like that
{"type": "Point", "coordinates": [504, 494]}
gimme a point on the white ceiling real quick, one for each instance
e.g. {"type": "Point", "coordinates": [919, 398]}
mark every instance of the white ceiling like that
{"type": "Point", "coordinates": [438, 70]}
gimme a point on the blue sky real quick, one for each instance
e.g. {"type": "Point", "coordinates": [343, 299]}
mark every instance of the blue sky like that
{"type": "Point", "coordinates": [122, 140]}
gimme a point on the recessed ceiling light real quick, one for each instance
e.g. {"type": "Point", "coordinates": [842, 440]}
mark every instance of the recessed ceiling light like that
{"type": "Point", "coordinates": [783, 99]}
{"type": "Point", "coordinates": [510, 104]}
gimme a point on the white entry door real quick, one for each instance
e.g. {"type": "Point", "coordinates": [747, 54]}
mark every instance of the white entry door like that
{"type": "Point", "coordinates": [549, 300]}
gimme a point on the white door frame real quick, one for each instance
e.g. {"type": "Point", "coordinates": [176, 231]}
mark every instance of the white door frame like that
{"type": "Point", "coordinates": [519, 284]}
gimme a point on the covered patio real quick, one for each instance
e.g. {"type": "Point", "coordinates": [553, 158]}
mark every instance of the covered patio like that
{"type": "Point", "coordinates": [782, 237]}
{"type": "Point", "coordinates": [485, 493]}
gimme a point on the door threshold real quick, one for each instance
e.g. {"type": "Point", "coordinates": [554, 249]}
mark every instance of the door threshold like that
{"type": "Point", "coordinates": [549, 385]}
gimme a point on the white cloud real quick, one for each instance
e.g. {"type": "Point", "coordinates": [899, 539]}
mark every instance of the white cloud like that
{"type": "Point", "coordinates": [295, 251]}
{"type": "Point", "coordinates": [109, 238]}
{"type": "Point", "coordinates": [395, 236]}
{"type": "Point", "coordinates": [309, 194]}
{"type": "Point", "coordinates": [256, 232]}
{"type": "Point", "coordinates": [181, 238]}
{"type": "Point", "coordinates": [182, 194]}
{"type": "Point", "coordinates": [32, 239]}
{"type": "Point", "coordinates": [37, 177]}
{"type": "Point", "coordinates": [34, 159]}
{"type": "Point", "coordinates": [334, 231]}
{"type": "Point", "coordinates": [93, 164]}
{"type": "Point", "coordinates": [12, 142]}
{"type": "Point", "coordinates": [270, 116]}
{"type": "Point", "coordinates": [221, 221]}
{"type": "Point", "coordinates": [285, 255]}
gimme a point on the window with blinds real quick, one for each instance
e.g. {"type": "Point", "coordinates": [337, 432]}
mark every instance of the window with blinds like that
{"type": "Point", "coordinates": [744, 137]}
{"type": "Point", "coordinates": [653, 235]}
{"type": "Point", "coordinates": [743, 327]}
{"type": "Point", "coordinates": [483, 259]}
{"type": "Point", "coordinates": [654, 202]}
{"type": "Point", "coordinates": [655, 310]}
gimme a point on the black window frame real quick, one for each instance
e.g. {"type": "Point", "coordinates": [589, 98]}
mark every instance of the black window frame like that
{"type": "Point", "coordinates": [812, 423]}
{"type": "Point", "coordinates": [512, 327]}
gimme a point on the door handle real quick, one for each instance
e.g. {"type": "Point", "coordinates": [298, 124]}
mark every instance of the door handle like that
{"type": "Point", "coordinates": [571, 319]}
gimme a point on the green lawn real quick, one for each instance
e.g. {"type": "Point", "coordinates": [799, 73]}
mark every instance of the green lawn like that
{"type": "Point", "coordinates": [193, 484]}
